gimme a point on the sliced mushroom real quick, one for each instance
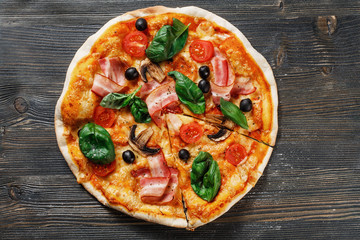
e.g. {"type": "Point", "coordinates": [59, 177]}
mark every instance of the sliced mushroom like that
{"type": "Point", "coordinates": [220, 121]}
{"type": "Point", "coordinates": [221, 135]}
{"type": "Point", "coordinates": [153, 69]}
{"type": "Point", "coordinates": [139, 143]}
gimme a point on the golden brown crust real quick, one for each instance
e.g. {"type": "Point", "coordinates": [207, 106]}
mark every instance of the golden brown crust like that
{"type": "Point", "coordinates": [68, 112]}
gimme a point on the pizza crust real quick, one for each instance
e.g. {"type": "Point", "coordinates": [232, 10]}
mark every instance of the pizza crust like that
{"type": "Point", "coordinates": [85, 50]}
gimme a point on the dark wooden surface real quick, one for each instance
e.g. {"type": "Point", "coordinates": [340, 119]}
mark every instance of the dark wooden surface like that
{"type": "Point", "coordinates": [311, 187]}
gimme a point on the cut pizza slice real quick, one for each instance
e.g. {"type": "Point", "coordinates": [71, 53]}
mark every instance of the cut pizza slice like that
{"type": "Point", "coordinates": [217, 167]}
{"type": "Point", "coordinates": [142, 181]}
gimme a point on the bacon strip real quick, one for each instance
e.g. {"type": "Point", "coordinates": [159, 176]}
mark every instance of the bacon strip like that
{"type": "Point", "coordinates": [174, 122]}
{"type": "Point", "coordinates": [148, 87]}
{"type": "Point", "coordinates": [114, 69]}
{"type": "Point", "coordinates": [224, 77]}
{"type": "Point", "coordinates": [102, 85]}
{"type": "Point", "coordinates": [159, 98]}
{"type": "Point", "coordinates": [243, 86]}
{"type": "Point", "coordinates": [158, 166]}
{"type": "Point", "coordinates": [142, 172]}
{"type": "Point", "coordinates": [153, 187]}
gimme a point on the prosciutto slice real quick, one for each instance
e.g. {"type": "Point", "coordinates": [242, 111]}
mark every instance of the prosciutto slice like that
{"type": "Point", "coordinates": [170, 190]}
{"type": "Point", "coordinates": [102, 85]}
{"type": "Point", "coordinates": [159, 98]}
{"type": "Point", "coordinates": [114, 69]}
{"type": "Point", "coordinates": [243, 86]}
{"type": "Point", "coordinates": [224, 77]}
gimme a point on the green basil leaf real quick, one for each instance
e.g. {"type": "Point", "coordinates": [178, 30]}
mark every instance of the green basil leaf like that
{"type": "Point", "coordinates": [232, 112]}
{"type": "Point", "coordinates": [96, 144]}
{"type": "Point", "coordinates": [140, 111]}
{"type": "Point", "coordinates": [168, 41]}
{"type": "Point", "coordinates": [205, 176]}
{"type": "Point", "coordinates": [188, 92]}
{"type": "Point", "coordinates": [118, 100]}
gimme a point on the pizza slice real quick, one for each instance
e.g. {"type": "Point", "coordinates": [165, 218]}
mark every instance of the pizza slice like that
{"type": "Point", "coordinates": [217, 167]}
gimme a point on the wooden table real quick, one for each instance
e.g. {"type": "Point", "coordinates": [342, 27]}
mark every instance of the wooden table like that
{"type": "Point", "coordinates": [311, 187]}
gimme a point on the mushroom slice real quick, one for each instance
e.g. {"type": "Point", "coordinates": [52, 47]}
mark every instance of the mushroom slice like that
{"type": "Point", "coordinates": [221, 135]}
{"type": "Point", "coordinates": [220, 121]}
{"type": "Point", "coordinates": [139, 143]}
{"type": "Point", "coordinates": [153, 69]}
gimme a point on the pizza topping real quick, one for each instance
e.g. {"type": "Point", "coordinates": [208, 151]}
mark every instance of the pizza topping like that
{"type": "Point", "coordinates": [142, 172]}
{"type": "Point", "coordinates": [103, 85]}
{"type": "Point", "coordinates": [174, 121]}
{"type": "Point", "coordinates": [204, 72]}
{"type": "Point", "coordinates": [158, 166]}
{"type": "Point", "coordinates": [159, 98]}
{"type": "Point", "coordinates": [102, 170]}
{"type": "Point", "coordinates": [236, 154]}
{"type": "Point", "coordinates": [137, 106]}
{"type": "Point", "coordinates": [221, 135]}
{"type": "Point", "coordinates": [242, 86]}
{"type": "Point", "coordinates": [148, 88]}
{"type": "Point", "coordinates": [153, 187]}
{"type": "Point", "coordinates": [96, 144]}
{"type": "Point", "coordinates": [168, 41]}
{"type": "Point", "coordinates": [246, 105]}
{"type": "Point", "coordinates": [113, 68]}
{"type": "Point", "coordinates": [141, 24]}
{"type": "Point", "coordinates": [153, 70]}
{"type": "Point", "coordinates": [201, 50]}
{"type": "Point", "coordinates": [224, 77]}
{"type": "Point", "coordinates": [232, 112]}
{"type": "Point", "coordinates": [139, 143]}
{"type": "Point", "coordinates": [128, 156]}
{"type": "Point", "coordinates": [104, 117]}
{"type": "Point", "coordinates": [205, 176]}
{"type": "Point", "coordinates": [135, 44]}
{"type": "Point", "coordinates": [204, 86]}
{"type": "Point", "coordinates": [188, 92]}
{"type": "Point", "coordinates": [191, 132]}
{"type": "Point", "coordinates": [131, 74]}
{"type": "Point", "coordinates": [184, 154]}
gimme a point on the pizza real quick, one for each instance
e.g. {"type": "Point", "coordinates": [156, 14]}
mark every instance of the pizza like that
{"type": "Point", "coordinates": [168, 115]}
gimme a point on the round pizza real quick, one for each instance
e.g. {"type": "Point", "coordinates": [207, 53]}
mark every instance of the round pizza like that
{"type": "Point", "coordinates": [168, 115]}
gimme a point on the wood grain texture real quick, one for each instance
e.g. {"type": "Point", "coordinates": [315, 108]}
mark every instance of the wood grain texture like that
{"type": "Point", "coordinates": [311, 187]}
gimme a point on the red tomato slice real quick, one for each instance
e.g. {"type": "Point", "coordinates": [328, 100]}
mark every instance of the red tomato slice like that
{"type": "Point", "coordinates": [103, 170]}
{"type": "Point", "coordinates": [191, 132]}
{"type": "Point", "coordinates": [104, 117]}
{"type": "Point", "coordinates": [236, 154]}
{"type": "Point", "coordinates": [135, 44]}
{"type": "Point", "coordinates": [201, 50]}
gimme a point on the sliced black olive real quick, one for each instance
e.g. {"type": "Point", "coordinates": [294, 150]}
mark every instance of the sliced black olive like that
{"type": "Point", "coordinates": [204, 72]}
{"type": "Point", "coordinates": [131, 73]}
{"type": "Point", "coordinates": [128, 156]}
{"type": "Point", "coordinates": [141, 24]}
{"type": "Point", "coordinates": [246, 105]}
{"type": "Point", "coordinates": [204, 86]}
{"type": "Point", "coordinates": [184, 154]}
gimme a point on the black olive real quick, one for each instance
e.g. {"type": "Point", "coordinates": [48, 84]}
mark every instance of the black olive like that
{"type": "Point", "coordinates": [131, 73]}
{"type": "Point", "coordinates": [128, 156]}
{"type": "Point", "coordinates": [204, 86]}
{"type": "Point", "coordinates": [204, 72]}
{"type": "Point", "coordinates": [246, 105]}
{"type": "Point", "coordinates": [184, 154]}
{"type": "Point", "coordinates": [141, 24]}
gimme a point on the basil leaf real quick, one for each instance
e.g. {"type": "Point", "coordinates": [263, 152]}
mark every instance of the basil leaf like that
{"type": "Point", "coordinates": [118, 100]}
{"type": "Point", "coordinates": [96, 144]}
{"type": "Point", "coordinates": [205, 176]}
{"type": "Point", "coordinates": [232, 112]}
{"type": "Point", "coordinates": [140, 111]}
{"type": "Point", "coordinates": [168, 41]}
{"type": "Point", "coordinates": [189, 93]}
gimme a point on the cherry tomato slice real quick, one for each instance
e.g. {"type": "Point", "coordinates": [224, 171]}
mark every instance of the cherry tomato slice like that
{"type": "Point", "coordinates": [103, 170]}
{"type": "Point", "coordinates": [236, 154]}
{"type": "Point", "coordinates": [104, 117]}
{"type": "Point", "coordinates": [201, 50]}
{"type": "Point", "coordinates": [135, 44]}
{"type": "Point", "coordinates": [191, 132]}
